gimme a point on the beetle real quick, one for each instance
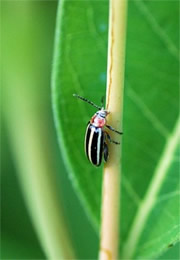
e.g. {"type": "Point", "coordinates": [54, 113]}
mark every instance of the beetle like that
{"type": "Point", "coordinates": [96, 137]}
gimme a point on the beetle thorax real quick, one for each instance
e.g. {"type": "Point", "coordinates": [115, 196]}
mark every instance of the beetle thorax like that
{"type": "Point", "coordinates": [99, 119]}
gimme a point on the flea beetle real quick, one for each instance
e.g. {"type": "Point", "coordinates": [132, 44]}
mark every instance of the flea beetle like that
{"type": "Point", "coordinates": [96, 137]}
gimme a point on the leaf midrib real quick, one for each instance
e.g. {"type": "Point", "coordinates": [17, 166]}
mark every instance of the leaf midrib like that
{"type": "Point", "coordinates": [147, 204]}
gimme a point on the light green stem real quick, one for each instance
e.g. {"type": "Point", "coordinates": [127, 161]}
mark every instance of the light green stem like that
{"type": "Point", "coordinates": [114, 104]}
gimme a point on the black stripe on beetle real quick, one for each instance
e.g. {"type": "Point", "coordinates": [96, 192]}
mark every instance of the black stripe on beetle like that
{"type": "Point", "coordinates": [96, 136]}
{"type": "Point", "coordinates": [94, 140]}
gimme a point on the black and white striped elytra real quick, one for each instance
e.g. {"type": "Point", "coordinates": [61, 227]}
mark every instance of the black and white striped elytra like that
{"type": "Point", "coordinates": [94, 144]}
{"type": "Point", "coordinates": [96, 137]}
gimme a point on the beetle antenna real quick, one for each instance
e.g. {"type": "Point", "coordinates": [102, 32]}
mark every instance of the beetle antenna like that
{"type": "Point", "coordinates": [86, 100]}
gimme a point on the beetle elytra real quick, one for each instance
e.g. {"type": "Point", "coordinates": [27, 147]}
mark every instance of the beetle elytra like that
{"type": "Point", "coordinates": [96, 137]}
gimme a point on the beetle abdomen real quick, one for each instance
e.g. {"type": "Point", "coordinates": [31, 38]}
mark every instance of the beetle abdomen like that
{"type": "Point", "coordinates": [94, 140]}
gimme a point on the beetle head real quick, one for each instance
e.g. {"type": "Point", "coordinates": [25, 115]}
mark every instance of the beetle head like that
{"type": "Point", "coordinates": [102, 113]}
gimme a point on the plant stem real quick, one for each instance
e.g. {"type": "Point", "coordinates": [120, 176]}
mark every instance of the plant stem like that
{"type": "Point", "coordinates": [114, 103]}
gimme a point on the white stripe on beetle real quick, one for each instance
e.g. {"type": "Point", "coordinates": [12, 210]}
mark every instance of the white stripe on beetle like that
{"type": "Point", "coordinates": [99, 144]}
{"type": "Point", "coordinates": [90, 143]}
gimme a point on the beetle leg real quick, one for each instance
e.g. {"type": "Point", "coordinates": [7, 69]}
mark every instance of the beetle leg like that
{"type": "Point", "coordinates": [106, 153]}
{"type": "Point", "coordinates": [110, 140]}
{"type": "Point", "coordinates": [114, 130]}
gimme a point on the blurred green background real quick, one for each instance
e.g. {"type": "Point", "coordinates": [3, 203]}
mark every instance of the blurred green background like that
{"type": "Point", "coordinates": [27, 31]}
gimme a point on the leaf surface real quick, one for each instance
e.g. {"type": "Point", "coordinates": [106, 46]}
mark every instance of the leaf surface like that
{"type": "Point", "coordinates": [150, 192]}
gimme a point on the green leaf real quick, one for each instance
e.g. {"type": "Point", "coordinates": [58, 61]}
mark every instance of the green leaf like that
{"type": "Point", "coordinates": [173, 253]}
{"type": "Point", "coordinates": [80, 60]}
{"type": "Point", "coordinates": [149, 199]}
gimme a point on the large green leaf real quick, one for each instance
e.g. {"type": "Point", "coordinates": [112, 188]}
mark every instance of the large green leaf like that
{"type": "Point", "coordinates": [149, 211]}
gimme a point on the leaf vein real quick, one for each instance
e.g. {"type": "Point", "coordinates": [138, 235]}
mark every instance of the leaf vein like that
{"type": "Point", "coordinates": [130, 191]}
{"type": "Point", "coordinates": [158, 29]}
{"type": "Point", "coordinates": [159, 238]}
{"type": "Point", "coordinates": [147, 113]}
{"type": "Point", "coordinates": [168, 196]}
{"type": "Point", "coordinates": [148, 203]}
